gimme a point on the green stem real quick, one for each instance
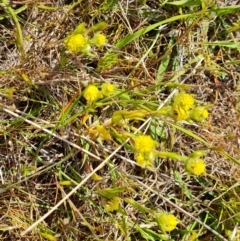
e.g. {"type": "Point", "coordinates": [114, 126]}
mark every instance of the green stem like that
{"type": "Point", "coordinates": [19, 36]}
{"type": "Point", "coordinates": [172, 155]}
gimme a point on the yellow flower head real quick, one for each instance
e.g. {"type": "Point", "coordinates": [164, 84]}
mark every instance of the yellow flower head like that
{"type": "Point", "coordinates": [77, 43]}
{"type": "Point", "coordinates": [179, 113]}
{"type": "Point", "coordinates": [145, 160]}
{"type": "Point", "coordinates": [166, 221]}
{"type": "Point", "coordinates": [200, 113]}
{"type": "Point", "coordinates": [181, 105]}
{"type": "Point", "coordinates": [107, 89]}
{"type": "Point", "coordinates": [195, 166]}
{"type": "Point", "coordinates": [144, 144]}
{"type": "Point", "coordinates": [91, 93]}
{"type": "Point", "coordinates": [184, 100]}
{"type": "Point", "coordinates": [99, 39]}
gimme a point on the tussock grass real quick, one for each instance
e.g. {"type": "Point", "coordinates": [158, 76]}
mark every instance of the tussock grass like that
{"type": "Point", "coordinates": [68, 170]}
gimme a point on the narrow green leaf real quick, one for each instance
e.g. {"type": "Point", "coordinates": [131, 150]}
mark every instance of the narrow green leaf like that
{"type": "Point", "coordinates": [234, 45]}
{"type": "Point", "coordinates": [110, 193]}
{"type": "Point", "coordinates": [226, 10]}
{"type": "Point", "coordinates": [19, 36]}
{"type": "Point", "coordinates": [186, 191]}
{"type": "Point", "coordinates": [185, 3]}
{"type": "Point", "coordinates": [138, 206]}
{"type": "Point", "coordinates": [164, 63]}
{"type": "Point", "coordinates": [48, 8]}
{"type": "Point", "coordinates": [48, 236]}
{"type": "Point", "coordinates": [98, 27]}
{"type": "Point", "coordinates": [149, 234]}
{"type": "Point", "coordinates": [230, 157]}
{"type": "Point", "coordinates": [121, 43]}
{"type": "Point", "coordinates": [17, 11]}
{"type": "Point", "coordinates": [188, 132]}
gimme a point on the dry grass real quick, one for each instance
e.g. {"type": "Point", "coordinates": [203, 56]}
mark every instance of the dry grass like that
{"type": "Point", "coordinates": [48, 158]}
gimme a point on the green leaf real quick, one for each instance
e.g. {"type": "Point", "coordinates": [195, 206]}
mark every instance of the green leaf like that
{"type": "Point", "coordinates": [19, 35]}
{"type": "Point", "coordinates": [48, 236]}
{"type": "Point", "coordinates": [185, 3]}
{"type": "Point", "coordinates": [17, 11]}
{"type": "Point", "coordinates": [149, 234]}
{"type": "Point", "coordinates": [232, 159]}
{"type": "Point", "coordinates": [124, 114]}
{"type": "Point", "coordinates": [48, 8]}
{"type": "Point", "coordinates": [65, 183]}
{"type": "Point", "coordinates": [80, 29]}
{"type": "Point", "coordinates": [110, 193]}
{"type": "Point", "coordinates": [98, 27]}
{"type": "Point", "coordinates": [121, 43]}
{"type": "Point", "coordinates": [226, 10]}
{"type": "Point", "coordinates": [108, 5]}
{"type": "Point", "coordinates": [188, 132]}
{"type": "Point", "coordinates": [220, 11]}
{"type": "Point", "coordinates": [107, 61]}
{"type": "Point", "coordinates": [186, 191]}
{"type": "Point", "coordinates": [164, 63]}
{"type": "Point", "coordinates": [138, 206]}
{"type": "Point", "coordinates": [234, 45]}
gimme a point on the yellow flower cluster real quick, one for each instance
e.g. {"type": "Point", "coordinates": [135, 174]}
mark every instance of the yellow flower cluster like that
{"type": "Point", "coordinates": [144, 147]}
{"type": "Point", "coordinates": [183, 108]}
{"type": "Point", "coordinates": [77, 43]}
{"type": "Point", "coordinates": [182, 105]}
{"type": "Point", "coordinates": [195, 166]}
{"type": "Point", "coordinates": [79, 40]}
{"type": "Point", "coordinates": [92, 93]}
{"type": "Point", "coordinates": [166, 221]}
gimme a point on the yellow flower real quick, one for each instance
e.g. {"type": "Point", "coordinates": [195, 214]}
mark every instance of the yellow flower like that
{"type": "Point", "coordinates": [144, 144]}
{"type": "Point", "coordinates": [107, 89]}
{"type": "Point", "coordinates": [184, 100]}
{"type": "Point", "coordinates": [77, 43]}
{"type": "Point", "coordinates": [91, 93]}
{"type": "Point", "coordinates": [166, 221]}
{"type": "Point", "coordinates": [99, 39]}
{"type": "Point", "coordinates": [181, 105]}
{"type": "Point", "coordinates": [145, 160]}
{"type": "Point", "coordinates": [179, 113]}
{"type": "Point", "coordinates": [200, 113]}
{"type": "Point", "coordinates": [195, 166]}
